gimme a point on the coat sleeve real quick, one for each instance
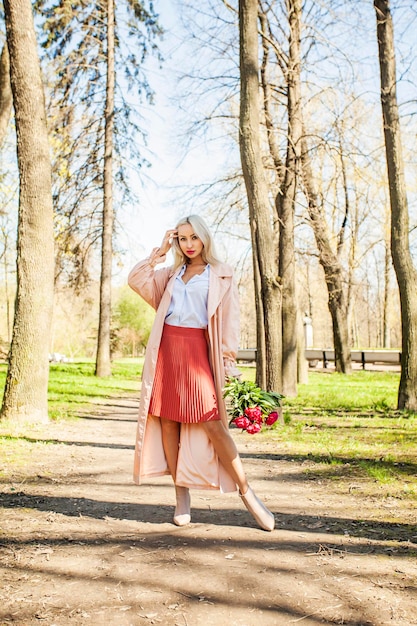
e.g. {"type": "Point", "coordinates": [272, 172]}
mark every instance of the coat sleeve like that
{"type": "Point", "coordinates": [149, 283]}
{"type": "Point", "coordinates": [231, 330]}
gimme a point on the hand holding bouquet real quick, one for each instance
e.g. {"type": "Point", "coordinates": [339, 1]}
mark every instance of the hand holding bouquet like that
{"type": "Point", "coordinates": [251, 407]}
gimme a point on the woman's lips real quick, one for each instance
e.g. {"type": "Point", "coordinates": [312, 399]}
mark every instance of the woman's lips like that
{"type": "Point", "coordinates": [190, 251]}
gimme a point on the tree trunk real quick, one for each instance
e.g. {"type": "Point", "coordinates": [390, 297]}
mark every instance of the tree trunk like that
{"type": "Point", "coordinates": [260, 326]}
{"type": "Point", "coordinates": [342, 233]}
{"type": "Point", "coordinates": [400, 249]}
{"type": "Point", "coordinates": [103, 361]}
{"type": "Point", "coordinates": [257, 190]}
{"type": "Point", "coordinates": [302, 363]}
{"type": "Point", "coordinates": [286, 205]}
{"type": "Point", "coordinates": [386, 331]}
{"type": "Point", "coordinates": [267, 100]}
{"type": "Point", "coordinates": [25, 395]}
{"type": "Point", "coordinates": [349, 290]}
{"type": "Point", "coordinates": [286, 183]}
{"type": "Point", "coordinates": [279, 169]}
{"type": "Point", "coordinates": [5, 237]}
{"type": "Point", "coordinates": [6, 98]}
{"type": "Point", "coordinates": [332, 269]}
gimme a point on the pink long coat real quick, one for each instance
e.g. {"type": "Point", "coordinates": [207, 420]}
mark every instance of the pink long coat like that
{"type": "Point", "coordinates": [198, 465]}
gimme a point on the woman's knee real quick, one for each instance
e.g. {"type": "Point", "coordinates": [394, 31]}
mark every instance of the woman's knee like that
{"type": "Point", "coordinates": [169, 426]}
{"type": "Point", "coordinates": [215, 429]}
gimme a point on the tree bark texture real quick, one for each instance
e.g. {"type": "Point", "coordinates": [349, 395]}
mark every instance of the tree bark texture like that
{"type": "Point", "coordinates": [286, 205]}
{"type": "Point", "coordinates": [260, 325]}
{"type": "Point", "coordinates": [5, 236]}
{"type": "Point", "coordinates": [332, 269]}
{"type": "Point", "coordinates": [25, 395]}
{"type": "Point", "coordinates": [257, 189]}
{"type": "Point", "coordinates": [267, 100]}
{"type": "Point", "coordinates": [103, 361]}
{"type": "Point", "coordinates": [279, 169]}
{"type": "Point", "coordinates": [400, 248]}
{"type": "Point", "coordinates": [302, 363]}
{"type": "Point", "coordinates": [386, 332]}
{"type": "Point", "coordinates": [6, 97]}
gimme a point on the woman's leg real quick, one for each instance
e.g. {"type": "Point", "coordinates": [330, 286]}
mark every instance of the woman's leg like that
{"type": "Point", "coordinates": [170, 442]}
{"type": "Point", "coordinates": [227, 452]}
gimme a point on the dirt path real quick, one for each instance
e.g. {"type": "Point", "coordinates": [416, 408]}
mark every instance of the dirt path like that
{"type": "Point", "coordinates": [80, 544]}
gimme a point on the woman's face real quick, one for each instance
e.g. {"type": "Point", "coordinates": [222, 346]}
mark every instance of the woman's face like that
{"type": "Point", "coordinates": [190, 244]}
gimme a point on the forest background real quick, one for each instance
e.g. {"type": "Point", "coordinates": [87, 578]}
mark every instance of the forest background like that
{"type": "Point", "coordinates": [185, 159]}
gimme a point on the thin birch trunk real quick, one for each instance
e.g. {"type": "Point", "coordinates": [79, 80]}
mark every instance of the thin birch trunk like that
{"type": "Point", "coordinates": [400, 248]}
{"type": "Point", "coordinates": [257, 190]}
{"type": "Point", "coordinates": [287, 205]}
{"type": "Point", "coordinates": [332, 269]}
{"type": "Point", "coordinates": [103, 361]}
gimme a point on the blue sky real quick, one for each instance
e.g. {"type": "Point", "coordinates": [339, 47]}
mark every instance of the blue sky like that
{"type": "Point", "coordinates": [172, 168]}
{"type": "Point", "coordinates": [157, 209]}
{"type": "Point", "coordinates": [159, 189]}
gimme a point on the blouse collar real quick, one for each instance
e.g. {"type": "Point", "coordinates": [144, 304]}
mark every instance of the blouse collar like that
{"type": "Point", "coordinates": [183, 268]}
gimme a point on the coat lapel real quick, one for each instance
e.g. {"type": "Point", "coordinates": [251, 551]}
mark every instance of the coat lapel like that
{"type": "Point", "coordinates": [220, 276]}
{"type": "Point", "coordinates": [166, 298]}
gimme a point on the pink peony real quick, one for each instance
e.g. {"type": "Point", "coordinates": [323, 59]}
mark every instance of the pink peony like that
{"type": "Point", "coordinates": [241, 422]}
{"type": "Point", "coordinates": [272, 418]}
{"type": "Point", "coordinates": [254, 428]}
{"type": "Point", "coordinates": [254, 413]}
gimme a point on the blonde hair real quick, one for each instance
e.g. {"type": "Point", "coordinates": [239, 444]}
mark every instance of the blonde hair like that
{"type": "Point", "coordinates": [202, 231]}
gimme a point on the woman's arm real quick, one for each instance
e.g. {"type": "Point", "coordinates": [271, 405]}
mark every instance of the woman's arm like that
{"type": "Point", "coordinates": [231, 330]}
{"type": "Point", "coordinates": [143, 278]}
{"type": "Point", "coordinates": [147, 282]}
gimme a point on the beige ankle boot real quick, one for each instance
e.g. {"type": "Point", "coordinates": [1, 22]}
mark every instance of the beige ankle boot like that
{"type": "Point", "coordinates": [182, 515]}
{"type": "Point", "coordinates": [258, 510]}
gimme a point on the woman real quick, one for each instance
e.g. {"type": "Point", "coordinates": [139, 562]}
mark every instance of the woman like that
{"type": "Point", "coordinates": [183, 424]}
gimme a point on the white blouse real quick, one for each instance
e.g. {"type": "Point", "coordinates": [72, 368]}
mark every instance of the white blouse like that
{"type": "Point", "coordinates": [188, 305]}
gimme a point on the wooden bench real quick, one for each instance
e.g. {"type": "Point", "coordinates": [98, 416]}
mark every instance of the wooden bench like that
{"type": "Point", "coordinates": [313, 356]}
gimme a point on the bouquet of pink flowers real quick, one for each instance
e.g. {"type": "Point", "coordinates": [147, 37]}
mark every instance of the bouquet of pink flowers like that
{"type": "Point", "coordinates": [251, 407]}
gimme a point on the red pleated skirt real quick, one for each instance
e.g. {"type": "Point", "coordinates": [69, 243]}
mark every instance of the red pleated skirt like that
{"type": "Point", "coordinates": [183, 387]}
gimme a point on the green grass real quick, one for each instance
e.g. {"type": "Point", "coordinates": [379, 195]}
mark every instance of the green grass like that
{"type": "Point", "coordinates": [349, 427]}
{"type": "Point", "coordinates": [73, 385]}
{"type": "Point", "coordinates": [361, 390]}
{"type": "Point", "coordinates": [346, 426]}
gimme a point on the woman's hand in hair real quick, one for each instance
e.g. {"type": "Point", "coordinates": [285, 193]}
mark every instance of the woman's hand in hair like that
{"type": "Point", "coordinates": [158, 255]}
{"type": "Point", "coordinates": [167, 240]}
